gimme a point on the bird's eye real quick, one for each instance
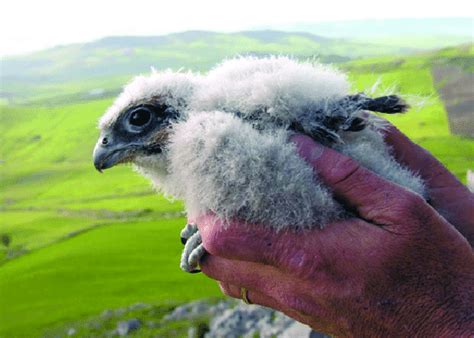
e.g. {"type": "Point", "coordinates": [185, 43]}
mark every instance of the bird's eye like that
{"type": "Point", "coordinates": [140, 117]}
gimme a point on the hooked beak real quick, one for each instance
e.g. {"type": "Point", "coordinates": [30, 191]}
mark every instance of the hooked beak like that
{"type": "Point", "coordinates": [106, 154]}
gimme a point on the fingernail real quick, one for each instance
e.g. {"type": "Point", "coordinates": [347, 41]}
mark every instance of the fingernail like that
{"type": "Point", "coordinates": [307, 148]}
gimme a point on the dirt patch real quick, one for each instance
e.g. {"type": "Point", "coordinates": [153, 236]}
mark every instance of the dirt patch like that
{"type": "Point", "coordinates": [456, 88]}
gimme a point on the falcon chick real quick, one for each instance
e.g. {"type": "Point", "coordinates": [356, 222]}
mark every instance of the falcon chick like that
{"type": "Point", "coordinates": [221, 142]}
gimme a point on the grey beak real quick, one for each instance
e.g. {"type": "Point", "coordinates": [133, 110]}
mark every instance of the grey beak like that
{"type": "Point", "coordinates": [106, 154]}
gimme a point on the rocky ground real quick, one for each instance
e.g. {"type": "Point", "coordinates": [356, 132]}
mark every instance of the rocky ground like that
{"type": "Point", "coordinates": [204, 318]}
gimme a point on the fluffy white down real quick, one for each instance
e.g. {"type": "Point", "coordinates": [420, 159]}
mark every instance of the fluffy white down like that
{"type": "Point", "coordinates": [370, 150]}
{"type": "Point", "coordinates": [221, 164]}
{"type": "Point", "coordinates": [174, 89]}
{"type": "Point", "coordinates": [284, 86]}
{"type": "Point", "coordinates": [295, 91]}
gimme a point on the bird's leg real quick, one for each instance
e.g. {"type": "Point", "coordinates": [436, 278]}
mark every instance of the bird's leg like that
{"type": "Point", "coordinates": [192, 253]}
{"type": "Point", "coordinates": [193, 250]}
{"type": "Point", "coordinates": [195, 256]}
{"type": "Point", "coordinates": [189, 230]}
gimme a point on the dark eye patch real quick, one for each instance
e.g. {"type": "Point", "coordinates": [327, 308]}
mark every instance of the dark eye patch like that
{"type": "Point", "coordinates": [140, 117]}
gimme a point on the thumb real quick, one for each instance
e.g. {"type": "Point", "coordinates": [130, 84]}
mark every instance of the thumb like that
{"type": "Point", "coordinates": [374, 198]}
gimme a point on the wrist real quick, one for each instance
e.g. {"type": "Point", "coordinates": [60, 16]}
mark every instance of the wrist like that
{"type": "Point", "coordinates": [441, 311]}
{"type": "Point", "coordinates": [436, 305]}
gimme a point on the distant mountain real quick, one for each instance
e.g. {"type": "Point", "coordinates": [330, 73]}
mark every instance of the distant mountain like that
{"type": "Point", "coordinates": [193, 49]}
{"type": "Point", "coordinates": [407, 32]}
{"type": "Point", "coordinates": [386, 27]}
{"type": "Point", "coordinates": [102, 66]}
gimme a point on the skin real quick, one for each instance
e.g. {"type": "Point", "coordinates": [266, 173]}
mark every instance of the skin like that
{"type": "Point", "coordinates": [401, 268]}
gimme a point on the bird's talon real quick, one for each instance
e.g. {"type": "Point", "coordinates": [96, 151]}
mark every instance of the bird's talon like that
{"type": "Point", "coordinates": [189, 230]}
{"type": "Point", "coordinates": [193, 251]}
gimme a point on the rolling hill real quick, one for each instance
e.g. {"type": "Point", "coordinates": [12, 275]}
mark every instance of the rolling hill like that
{"type": "Point", "coordinates": [105, 64]}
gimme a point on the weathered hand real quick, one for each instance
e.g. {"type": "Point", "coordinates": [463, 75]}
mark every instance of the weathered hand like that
{"type": "Point", "coordinates": [398, 269]}
{"type": "Point", "coordinates": [448, 196]}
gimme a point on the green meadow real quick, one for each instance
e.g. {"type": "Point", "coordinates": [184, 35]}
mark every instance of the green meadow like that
{"type": "Point", "coordinates": [80, 242]}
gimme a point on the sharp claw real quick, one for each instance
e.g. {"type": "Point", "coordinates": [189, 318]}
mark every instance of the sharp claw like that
{"type": "Point", "coordinates": [192, 242]}
{"type": "Point", "coordinates": [189, 230]}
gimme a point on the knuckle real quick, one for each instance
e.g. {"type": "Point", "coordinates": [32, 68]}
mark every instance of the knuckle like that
{"type": "Point", "coordinates": [411, 204]}
{"type": "Point", "coordinates": [411, 210]}
{"type": "Point", "coordinates": [344, 170]}
{"type": "Point", "coordinates": [301, 263]}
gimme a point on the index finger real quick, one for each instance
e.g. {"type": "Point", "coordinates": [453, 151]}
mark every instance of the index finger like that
{"type": "Point", "coordinates": [305, 254]}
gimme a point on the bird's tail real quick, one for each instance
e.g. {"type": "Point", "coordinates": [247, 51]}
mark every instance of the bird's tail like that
{"type": "Point", "coordinates": [391, 104]}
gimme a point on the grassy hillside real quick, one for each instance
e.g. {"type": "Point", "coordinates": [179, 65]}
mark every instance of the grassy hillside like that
{"type": "Point", "coordinates": [426, 122]}
{"type": "Point", "coordinates": [82, 242]}
{"type": "Point", "coordinates": [87, 241]}
{"type": "Point", "coordinates": [109, 267]}
{"type": "Point", "coordinates": [102, 64]}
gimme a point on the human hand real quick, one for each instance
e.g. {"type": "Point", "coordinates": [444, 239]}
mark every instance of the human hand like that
{"type": "Point", "coordinates": [398, 269]}
{"type": "Point", "coordinates": [447, 195]}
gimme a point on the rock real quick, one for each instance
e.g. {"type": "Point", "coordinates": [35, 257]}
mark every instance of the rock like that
{"type": "Point", "coordinates": [138, 306]}
{"type": "Point", "coordinates": [198, 331]}
{"type": "Point", "coordinates": [279, 324]}
{"type": "Point", "coordinates": [243, 321]}
{"type": "Point", "coordinates": [249, 321]}
{"type": "Point", "coordinates": [190, 311]}
{"type": "Point", "coordinates": [220, 307]}
{"type": "Point", "coordinates": [192, 332]}
{"type": "Point", "coordinates": [125, 327]}
{"type": "Point", "coordinates": [120, 312]}
{"type": "Point", "coordinates": [298, 330]}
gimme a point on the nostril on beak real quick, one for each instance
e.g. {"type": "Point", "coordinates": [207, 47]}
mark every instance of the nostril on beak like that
{"type": "Point", "coordinates": [105, 141]}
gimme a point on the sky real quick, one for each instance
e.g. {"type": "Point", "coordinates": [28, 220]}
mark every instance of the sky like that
{"type": "Point", "coordinates": [29, 25]}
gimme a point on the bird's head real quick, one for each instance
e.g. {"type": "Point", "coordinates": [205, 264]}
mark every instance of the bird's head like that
{"type": "Point", "coordinates": [137, 126]}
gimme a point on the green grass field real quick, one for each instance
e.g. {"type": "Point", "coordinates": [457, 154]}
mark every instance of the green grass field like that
{"type": "Point", "coordinates": [82, 242]}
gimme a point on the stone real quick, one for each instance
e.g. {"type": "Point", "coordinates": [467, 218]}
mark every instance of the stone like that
{"type": "Point", "coordinates": [127, 326]}
{"type": "Point", "coordinates": [71, 332]}
{"type": "Point", "coordinates": [189, 311]}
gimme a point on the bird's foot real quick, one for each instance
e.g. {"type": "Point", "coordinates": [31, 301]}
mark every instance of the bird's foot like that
{"type": "Point", "coordinates": [189, 230]}
{"type": "Point", "coordinates": [193, 249]}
